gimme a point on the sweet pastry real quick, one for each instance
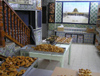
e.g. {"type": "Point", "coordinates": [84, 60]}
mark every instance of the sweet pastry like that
{"type": "Point", "coordinates": [63, 40]}
{"type": "Point", "coordinates": [67, 40]}
{"type": "Point", "coordinates": [1, 72]}
{"type": "Point", "coordinates": [57, 39]}
{"type": "Point", "coordinates": [19, 73]}
{"type": "Point", "coordinates": [12, 69]}
{"type": "Point", "coordinates": [83, 72]}
{"type": "Point", "coordinates": [22, 64]}
{"type": "Point", "coordinates": [49, 48]}
{"type": "Point", "coordinates": [23, 71]}
{"type": "Point", "coordinates": [10, 66]}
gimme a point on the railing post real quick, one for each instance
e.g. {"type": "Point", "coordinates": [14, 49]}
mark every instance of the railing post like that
{"type": "Point", "coordinates": [10, 22]}
{"type": "Point", "coordinates": [2, 41]}
{"type": "Point", "coordinates": [2, 34]}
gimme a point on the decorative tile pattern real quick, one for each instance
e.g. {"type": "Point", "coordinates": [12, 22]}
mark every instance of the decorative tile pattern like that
{"type": "Point", "coordinates": [61, 34]}
{"type": "Point", "coordinates": [50, 33]}
{"type": "Point", "coordinates": [38, 36]}
{"type": "Point", "coordinates": [88, 38]}
{"type": "Point", "coordinates": [20, 1]}
{"type": "Point", "coordinates": [45, 2]}
{"type": "Point", "coordinates": [53, 26]}
{"type": "Point", "coordinates": [58, 12]}
{"type": "Point", "coordinates": [24, 6]}
{"type": "Point", "coordinates": [93, 12]}
{"type": "Point", "coordinates": [80, 38]}
{"type": "Point", "coordinates": [2, 51]}
{"type": "Point", "coordinates": [88, 41]}
{"type": "Point", "coordinates": [74, 37]}
{"type": "Point", "coordinates": [8, 50]}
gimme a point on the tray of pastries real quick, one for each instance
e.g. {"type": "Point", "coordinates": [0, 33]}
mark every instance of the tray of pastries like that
{"type": "Point", "coordinates": [83, 72]}
{"type": "Point", "coordinates": [51, 39]}
{"type": "Point", "coordinates": [17, 66]}
{"type": "Point", "coordinates": [48, 48]}
{"type": "Point", "coordinates": [63, 40]}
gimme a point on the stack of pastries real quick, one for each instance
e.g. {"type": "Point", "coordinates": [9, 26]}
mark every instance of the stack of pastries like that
{"type": "Point", "coordinates": [67, 40]}
{"type": "Point", "coordinates": [63, 40]}
{"type": "Point", "coordinates": [83, 72]}
{"type": "Point", "coordinates": [10, 66]}
{"type": "Point", "coordinates": [48, 48]}
{"type": "Point", "coordinates": [58, 38]}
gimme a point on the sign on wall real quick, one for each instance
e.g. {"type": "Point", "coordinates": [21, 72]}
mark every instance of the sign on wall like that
{"type": "Point", "coordinates": [73, 12]}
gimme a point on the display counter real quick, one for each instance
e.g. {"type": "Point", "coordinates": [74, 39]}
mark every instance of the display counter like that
{"type": "Point", "coordinates": [86, 37]}
{"type": "Point", "coordinates": [28, 51]}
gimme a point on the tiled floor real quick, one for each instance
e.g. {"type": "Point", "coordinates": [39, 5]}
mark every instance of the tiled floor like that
{"type": "Point", "coordinates": [82, 56]}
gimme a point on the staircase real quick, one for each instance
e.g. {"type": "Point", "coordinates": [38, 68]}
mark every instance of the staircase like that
{"type": "Point", "coordinates": [12, 26]}
{"type": "Point", "coordinates": [12, 29]}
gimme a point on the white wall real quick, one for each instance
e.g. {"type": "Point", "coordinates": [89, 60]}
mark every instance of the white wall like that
{"type": "Point", "coordinates": [77, 0]}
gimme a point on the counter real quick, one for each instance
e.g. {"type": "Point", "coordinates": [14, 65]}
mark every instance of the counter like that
{"type": "Point", "coordinates": [86, 37]}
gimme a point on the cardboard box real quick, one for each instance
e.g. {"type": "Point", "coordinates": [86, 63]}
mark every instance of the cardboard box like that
{"type": "Point", "coordinates": [60, 29]}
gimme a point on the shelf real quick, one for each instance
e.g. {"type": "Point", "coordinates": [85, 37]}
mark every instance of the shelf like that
{"type": "Point", "coordinates": [98, 38]}
{"type": "Point", "coordinates": [97, 29]}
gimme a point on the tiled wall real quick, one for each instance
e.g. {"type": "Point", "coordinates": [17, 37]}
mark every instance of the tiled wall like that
{"type": "Point", "coordinates": [58, 11]}
{"type": "Point", "coordinates": [53, 26]}
{"type": "Point", "coordinates": [84, 38]}
{"type": "Point", "coordinates": [77, 0]}
{"type": "Point", "coordinates": [45, 2]}
{"type": "Point", "coordinates": [9, 50]}
{"type": "Point", "coordinates": [38, 36]}
{"type": "Point", "coordinates": [93, 17]}
{"type": "Point", "coordinates": [24, 6]}
{"type": "Point", "coordinates": [93, 12]}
